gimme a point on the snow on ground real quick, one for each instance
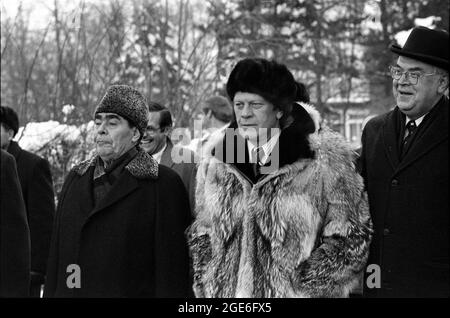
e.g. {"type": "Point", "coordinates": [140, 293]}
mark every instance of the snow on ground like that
{"type": "Point", "coordinates": [34, 136]}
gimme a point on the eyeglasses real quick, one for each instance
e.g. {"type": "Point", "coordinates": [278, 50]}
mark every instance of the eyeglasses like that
{"type": "Point", "coordinates": [412, 76]}
{"type": "Point", "coordinates": [152, 130]}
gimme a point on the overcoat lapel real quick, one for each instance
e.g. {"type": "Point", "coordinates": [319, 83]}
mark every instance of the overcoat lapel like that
{"type": "Point", "coordinates": [15, 150]}
{"type": "Point", "coordinates": [390, 139]}
{"type": "Point", "coordinates": [85, 183]}
{"type": "Point", "coordinates": [121, 188]}
{"type": "Point", "coordinates": [166, 158]}
{"type": "Point", "coordinates": [435, 132]}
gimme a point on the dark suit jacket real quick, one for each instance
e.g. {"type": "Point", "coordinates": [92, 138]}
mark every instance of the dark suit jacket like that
{"type": "Point", "coordinates": [14, 233]}
{"type": "Point", "coordinates": [131, 243]}
{"type": "Point", "coordinates": [408, 201]}
{"type": "Point", "coordinates": [37, 188]}
{"type": "Point", "coordinates": [186, 170]}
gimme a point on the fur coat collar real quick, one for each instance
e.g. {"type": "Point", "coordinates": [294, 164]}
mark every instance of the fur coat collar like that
{"type": "Point", "coordinates": [142, 166]}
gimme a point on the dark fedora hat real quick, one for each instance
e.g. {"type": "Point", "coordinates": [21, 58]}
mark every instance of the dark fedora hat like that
{"type": "Point", "coordinates": [426, 45]}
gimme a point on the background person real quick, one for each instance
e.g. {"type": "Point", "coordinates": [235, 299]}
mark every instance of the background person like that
{"type": "Point", "coordinates": [217, 113]}
{"type": "Point", "coordinates": [157, 142]}
{"type": "Point", "coordinates": [14, 233]}
{"type": "Point", "coordinates": [37, 190]}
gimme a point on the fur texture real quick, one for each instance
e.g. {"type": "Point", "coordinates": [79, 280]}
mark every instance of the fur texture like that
{"type": "Point", "coordinates": [313, 113]}
{"type": "Point", "coordinates": [303, 231]}
{"type": "Point", "coordinates": [127, 102]}
{"type": "Point", "coordinates": [143, 166]}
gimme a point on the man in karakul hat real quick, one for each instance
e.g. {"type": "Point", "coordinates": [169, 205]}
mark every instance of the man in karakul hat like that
{"type": "Point", "coordinates": [404, 163]}
{"type": "Point", "coordinates": [121, 217]}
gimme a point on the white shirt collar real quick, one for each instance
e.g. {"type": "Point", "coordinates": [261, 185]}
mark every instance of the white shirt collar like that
{"type": "Point", "coordinates": [267, 147]}
{"type": "Point", "coordinates": [418, 121]}
{"type": "Point", "coordinates": [157, 156]}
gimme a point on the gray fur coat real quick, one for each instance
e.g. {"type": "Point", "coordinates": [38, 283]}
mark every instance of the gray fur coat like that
{"type": "Point", "coordinates": [302, 231]}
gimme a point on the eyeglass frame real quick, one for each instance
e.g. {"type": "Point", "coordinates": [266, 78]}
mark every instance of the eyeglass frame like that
{"type": "Point", "coordinates": [152, 130]}
{"type": "Point", "coordinates": [414, 79]}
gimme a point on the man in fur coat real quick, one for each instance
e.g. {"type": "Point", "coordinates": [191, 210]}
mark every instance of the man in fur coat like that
{"type": "Point", "coordinates": [285, 217]}
{"type": "Point", "coordinates": [121, 217]}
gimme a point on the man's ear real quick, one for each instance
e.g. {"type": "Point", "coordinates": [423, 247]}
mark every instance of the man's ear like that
{"type": "Point", "coordinates": [136, 135]}
{"type": "Point", "coordinates": [443, 84]}
{"type": "Point", "coordinates": [10, 134]}
{"type": "Point", "coordinates": [167, 131]}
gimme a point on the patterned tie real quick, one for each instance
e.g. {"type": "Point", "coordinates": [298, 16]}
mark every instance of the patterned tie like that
{"type": "Point", "coordinates": [411, 130]}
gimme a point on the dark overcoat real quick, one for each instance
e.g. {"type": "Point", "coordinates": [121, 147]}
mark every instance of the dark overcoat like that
{"type": "Point", "coordinates": [37, 188]}
{"type": "Point", "coordinates": [186, 170]}
{"type": "Point", "coordinates": [14, 233]}
{"type": "Point", "coordinates": [408, 201]}
{"type": "Point", "coordinates": [131, 244]}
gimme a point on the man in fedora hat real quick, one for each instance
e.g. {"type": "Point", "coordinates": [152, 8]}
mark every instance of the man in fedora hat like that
{"type": "Point", "coordinates": [404, 162]}
{"type": "Point", "coordinates": [121, 217]}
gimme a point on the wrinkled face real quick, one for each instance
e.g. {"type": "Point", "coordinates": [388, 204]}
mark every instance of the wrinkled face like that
{"type": "Point", "coordinates": [6, 135]}
{"type": "Point", "coordinates": [416, 100]}
{"type": "Point", "coordinates": [253, 113]}
{"type": "Point", "coordinates": [154, 137]}
{"type": "Point", "coordinates": [113, 136]}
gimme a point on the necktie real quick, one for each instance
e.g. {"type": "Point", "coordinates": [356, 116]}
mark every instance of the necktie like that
{"type": "Point", "coordinates": [257, 155]}
{"type": "Point", "coordinates": [411, 129]}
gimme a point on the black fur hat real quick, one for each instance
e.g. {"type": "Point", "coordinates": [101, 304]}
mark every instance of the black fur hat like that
{"type": "Point", "coordinates": [127, 102]}
{"type": "Point", "coordinates": [269, 79]}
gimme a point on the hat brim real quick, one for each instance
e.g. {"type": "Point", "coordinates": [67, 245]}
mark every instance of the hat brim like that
{"type": "Point", "coordinates": [432, 60]}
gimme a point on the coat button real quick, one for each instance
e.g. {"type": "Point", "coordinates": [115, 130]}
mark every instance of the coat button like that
{"type": "Point", "coordinates": [386, 231]}
{"type": "Point", "coordinates": [394, 182]}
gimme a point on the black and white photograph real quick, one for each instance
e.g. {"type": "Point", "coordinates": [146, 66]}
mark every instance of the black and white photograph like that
{"type": "Point", "coordinates": [242, 151]}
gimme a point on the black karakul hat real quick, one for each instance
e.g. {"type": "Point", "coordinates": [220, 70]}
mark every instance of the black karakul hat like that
{"type": "Point", "coordinates": [127, 102]}
{"type": "Point", "coordinates": [269, 79]}
{"type": "Point", "coordinates": [426, 45]}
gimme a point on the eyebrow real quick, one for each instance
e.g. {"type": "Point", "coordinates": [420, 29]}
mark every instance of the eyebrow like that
{"type": "Point", "coordinates": [249, 101]}
{"type": "Point", "coordinates": [112, 116]}
{"type": "Point", "coordinates": [108, 116]}
{"type": "Point", "coordinates": [412, 69]}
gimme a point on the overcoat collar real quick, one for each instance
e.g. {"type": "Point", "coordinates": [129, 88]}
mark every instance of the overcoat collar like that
{"type": "Point", "coordinates": [14, 149]}
{"type": "Point", "coordinates": [434, 131]}
{"type": "Point", "coordinates": [121, 188]}
{"type": "Point", "coordinates": [166, 158]}
{"type": "Point", "coordinates": [142, 166]}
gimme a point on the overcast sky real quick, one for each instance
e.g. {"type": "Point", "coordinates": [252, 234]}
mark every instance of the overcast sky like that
{"type": "Point", "coordinates": [40, 9]}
